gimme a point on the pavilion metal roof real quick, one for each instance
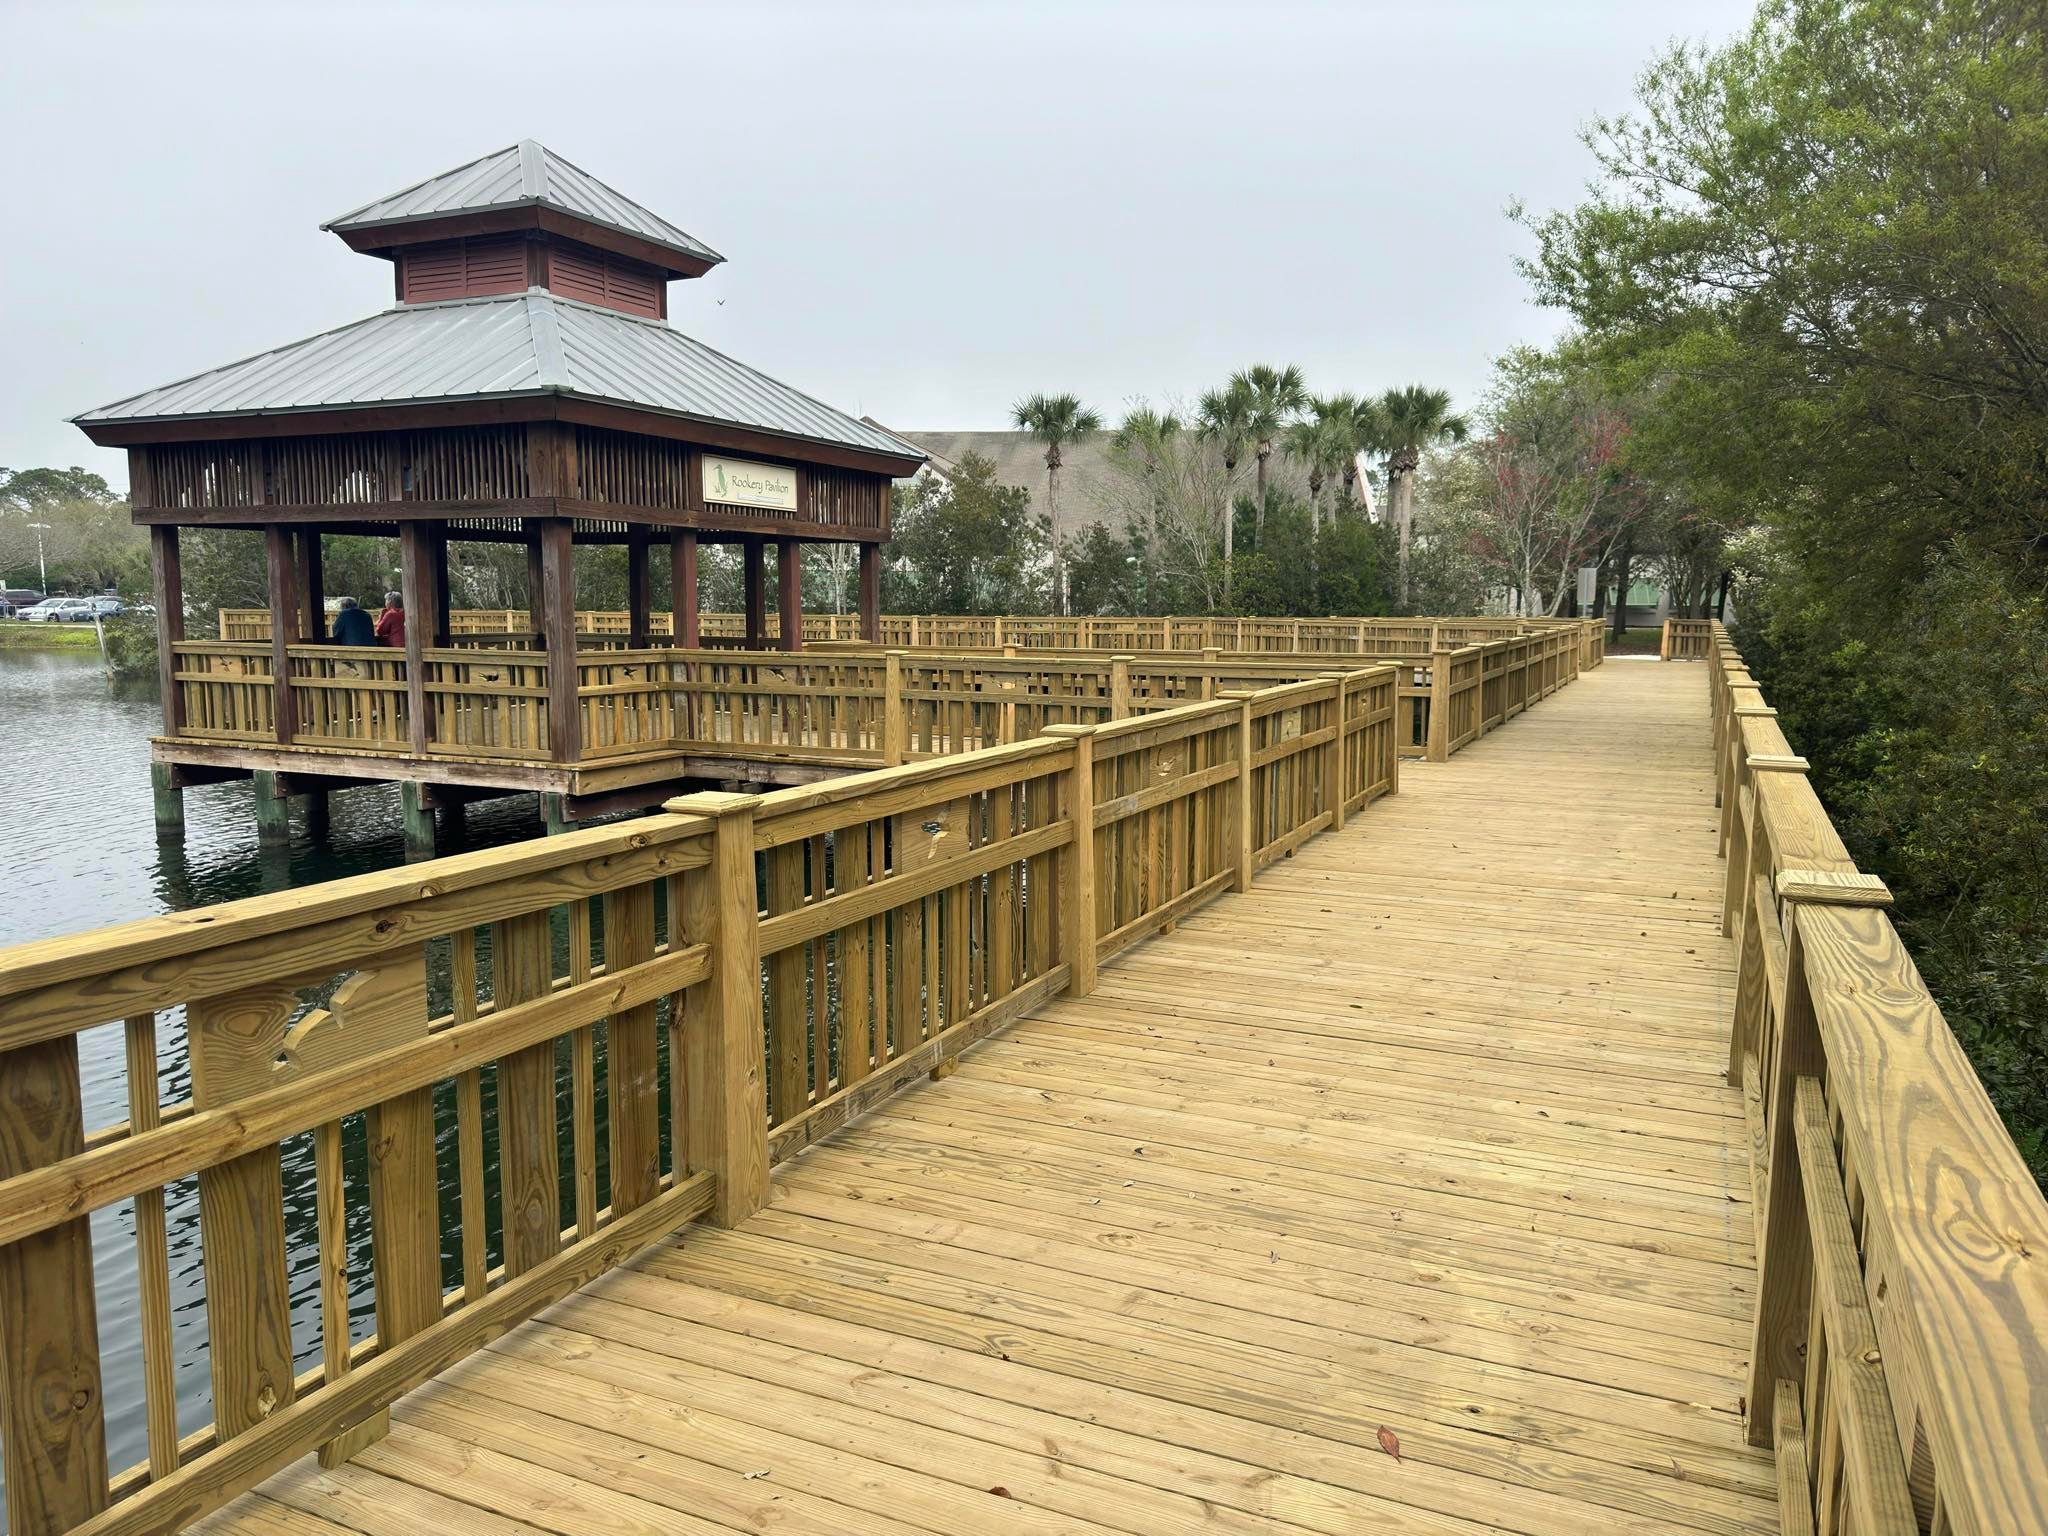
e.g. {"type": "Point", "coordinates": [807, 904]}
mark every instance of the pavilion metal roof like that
{"type": "Point", "coordinates": [508, 345]}
{"type": "Point", "coordinates": [522, 175]}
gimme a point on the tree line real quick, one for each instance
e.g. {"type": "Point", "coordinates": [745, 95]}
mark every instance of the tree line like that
{"type": "Point", "coordinates": [1812, 272]}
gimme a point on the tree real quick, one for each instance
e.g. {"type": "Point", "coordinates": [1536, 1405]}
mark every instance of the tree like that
{"type": "Point", "coordinates": [1224, 417]}
{"type": "Point", "coordinates": [1326, 440]}
{"type": "Point", "coordinates": [1055, 420]}
{"type": "Point", "coordinates": [1816, 259]}
{"type": "Point", "coordinates": [1142, 441]}
{"type": "Point", "coordinates": [70, 522]}
{"type": "Point", "coordinates": [965, 544]}
{"type": "Point", "coordinates": [1102, 573]}
{"type": "Point", "coordinates": [1405, 422]}
{"type": "Point", "coordinates": [1273, 396]}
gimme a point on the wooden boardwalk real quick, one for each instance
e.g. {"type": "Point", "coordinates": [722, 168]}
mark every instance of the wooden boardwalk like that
{"type": "Point", "coordinates": [1421, 1147]}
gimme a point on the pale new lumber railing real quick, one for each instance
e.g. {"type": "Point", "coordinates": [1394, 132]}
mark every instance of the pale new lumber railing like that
{"type": "Point", "coordinates": [834, 706]}
{"type": "Point", "coordinates": [1686, 640]}
{"type": "Point", "coordinates": [897, 915]}
{"type": "Point", "coordinates": [1899, 1363]}
{"type": "Point", "coordinates": [1372, 637]}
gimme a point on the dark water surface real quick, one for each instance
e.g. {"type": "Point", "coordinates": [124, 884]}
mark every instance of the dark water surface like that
{"type": "Point", "coordinates": [78, 850]}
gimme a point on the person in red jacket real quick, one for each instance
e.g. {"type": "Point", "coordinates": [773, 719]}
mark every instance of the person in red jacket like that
{"type": "Point", "coordinates": [391, 622]}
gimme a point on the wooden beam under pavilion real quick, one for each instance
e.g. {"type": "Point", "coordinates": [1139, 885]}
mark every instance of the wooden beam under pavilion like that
{"type": "Point", "coordinates": [285, 619]}
{"type": "Point", "coordinates": [789, 592]}
{"type": "Point", "coordinates": [871, 593]}
{"type": "Point", "coordinates": [558, 634]}
{"type": "Point", "coordinates": [752, 554]}
{"type": "Point", "coordinates": [682, 557]}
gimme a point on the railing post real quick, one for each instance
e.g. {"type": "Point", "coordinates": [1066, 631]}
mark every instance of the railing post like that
{"type": "Point", "coordinates": [1440, 706]}
{"type": "Point", "coordinates": [1212, 656]}
{"type": "Point", "coordinates": [1334, 755]}
{"type": "Point", "coordinates": [1784, 1260]}
{"type": "Point", "coordinates": [893, 721]}
{"type": "Point", "coordinates": [1077, 861]}
{"type": "Point", "coordinates": [724, 1055]}
{"type": "Point", "coordinates": [1241, 802]}
{"type": "Point", "coordinates": [1120, 687]}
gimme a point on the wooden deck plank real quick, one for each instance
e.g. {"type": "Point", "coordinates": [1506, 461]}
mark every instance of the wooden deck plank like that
{"type": "Point", "coordinates": [1425, 1134]}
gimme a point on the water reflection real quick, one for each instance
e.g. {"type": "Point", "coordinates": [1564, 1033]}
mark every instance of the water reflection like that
{"type": "Point", "coordinates": [79, 849]}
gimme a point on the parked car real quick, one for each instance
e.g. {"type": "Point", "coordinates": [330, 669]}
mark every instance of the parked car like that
{"type": "Point", "coordinates": [17, 600]}
{"type": "Point", "coordinates": [107, 606]}
{"type": "Point", "coordinates": [76, 610]}
{"type": "Point", "coordinates": [45, 611]}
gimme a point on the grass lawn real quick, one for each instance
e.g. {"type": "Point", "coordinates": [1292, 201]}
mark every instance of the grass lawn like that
{"type": "Point", "coordinates": [20, 635]}
{"type": "Point", "coordinates": [1635, 642]}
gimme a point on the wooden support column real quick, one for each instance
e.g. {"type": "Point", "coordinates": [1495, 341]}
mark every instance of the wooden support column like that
{"type": "Point", "coordinates": [415, 581]}
{"type": "Point", "coordinates": [312, 585]}
{"type": "Point", "coordinates": [682, 563]}
{"type": "Point", "coordinates": [167, 587]}
{"type": "Point", "coordinates": [536, 580]}
{"type": "Point", "coordinates": [752, 554]}
{"type": "Point", "coordinates": [434, 624]}
{"type": "Point", "coordinates": [789, 592]}
{"type": "Point", "coordinates": [558, 633]}
{"type": "Point", "coordinates": [284, 625]}
{"type": "Point", "coordinates": [871, 595]}
{"type": "Point", "coordinates": [1078, 913]}
{"type": "Point", "coordinates": [639, 594]}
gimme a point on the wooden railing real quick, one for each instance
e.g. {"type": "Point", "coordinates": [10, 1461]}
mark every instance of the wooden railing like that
{"type": "Point", "coordinates": [1686, 640]}
{"type": "Point", "coordinates": [836, 705]}
{"type": "Point", "coordinates": [969, 632]}
{"type": "Point", "coordinates": [899, 914]}
{"type": "Point", "coordinates": [1899, 1363]}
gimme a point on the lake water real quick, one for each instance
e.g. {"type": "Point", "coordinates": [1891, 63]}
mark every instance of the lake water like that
{"type": "Point", "coordinates": [78, 850]}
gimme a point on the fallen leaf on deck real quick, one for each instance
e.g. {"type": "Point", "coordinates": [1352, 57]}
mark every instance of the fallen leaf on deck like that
{"type": "Point", "coordinates": [1001, 1492]}
{"type": "Point", "coordinates": [750, 1476]}
{"type": "Point", "coordinates": [1390, 1442]}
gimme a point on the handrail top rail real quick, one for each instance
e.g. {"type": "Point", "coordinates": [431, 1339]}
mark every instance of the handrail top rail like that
{"type": "Point", "coordinates": [27, 969]}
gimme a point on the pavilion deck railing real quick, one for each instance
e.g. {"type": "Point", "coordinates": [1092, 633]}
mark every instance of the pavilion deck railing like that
{"type": "Point", "coordinates": [838, 705]}
{"type": "Point", "coordinates": [1382, 637]}
{"type": "Point", "coordinates": [1899, 1361]}
{"type": "Point", "coordinates": [1686, 640]}
{"type": "Point", "coordinates": [605, 1035]}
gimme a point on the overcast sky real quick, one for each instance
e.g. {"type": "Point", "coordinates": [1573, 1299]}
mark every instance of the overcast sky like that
{"type": "Point", "coordinates": [927, 210]}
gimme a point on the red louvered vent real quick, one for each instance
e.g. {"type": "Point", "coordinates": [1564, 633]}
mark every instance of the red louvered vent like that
{"type": "Point", "coordinates": [459, 269]}
{"type": "Point", "coordinates": [599, 277]}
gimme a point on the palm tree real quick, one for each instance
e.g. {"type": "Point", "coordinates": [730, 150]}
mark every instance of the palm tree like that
{"type": "Point", "coordinates": [1055, 420]}
{"type": "Point", "coordinates": [1144, 436]}
{"type": "Point", "coordinates": [1326, 440]}
{"type": "Point", "coordinates": [1224, 417]}
{"type": "Point", "coordinates": [1407, 421]}
{"type": "Point", "coordinates": [1277, 395]}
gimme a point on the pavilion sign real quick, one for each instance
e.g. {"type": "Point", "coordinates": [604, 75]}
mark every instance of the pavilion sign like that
{"type": "Point", "coordinates": [744, 483]}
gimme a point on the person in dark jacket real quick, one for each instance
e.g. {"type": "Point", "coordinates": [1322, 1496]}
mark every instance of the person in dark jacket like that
{"type": "Point", "coordinates": [352, 626]}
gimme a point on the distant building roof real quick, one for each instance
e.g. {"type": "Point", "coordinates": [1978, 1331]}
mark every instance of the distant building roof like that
{"type": "Point", "coordinates": [523, 175]}
{"type": "Point", "coordinates": [509, 345]}
{"type": "Point", "coordinates": [1087, 489]}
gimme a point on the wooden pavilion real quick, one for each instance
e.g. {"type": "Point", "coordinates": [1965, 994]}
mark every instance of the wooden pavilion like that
{"type": "Point", "coordinates": [525, 387]}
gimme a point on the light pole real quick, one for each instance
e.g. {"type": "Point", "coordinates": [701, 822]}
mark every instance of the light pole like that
{"type": "Point", "coordinates": [42, 568]}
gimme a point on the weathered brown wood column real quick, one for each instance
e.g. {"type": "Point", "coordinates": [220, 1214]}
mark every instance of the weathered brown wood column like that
{"type": "Point", "coordinates": [536, 579]}
{"type": "Point", "coordinates": [436, 632]}
{"type": "Point", "coordinates": [752, 555]}
{"type": "Point", "coordinates": [167, 584]}
{"type": "Point", "coordinates": [639, 593]}
{"type": "Point", "coordinates": [789, 592]}
{"type": "Point", "coordinates": [558, 633]}
{"type": "Point", "coordinates": [871, 593]}
{"type": "Point", "coordinates": [416, 591]}
{"type": "Point", "coordinates": [682, 601]}
{"type": "Point", "coordinates": [312, 585]}
{"type": "Point", "coordinates": [284, 625]}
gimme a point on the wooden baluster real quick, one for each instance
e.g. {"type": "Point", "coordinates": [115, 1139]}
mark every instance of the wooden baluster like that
{"type": "Point", "coordinates": [152, 1261]}
{"type": "Point", "coordinates": [469, 1123]}
{"type": "Point", "coordinates": [233, 1041]}
{"type": "Point", "coordinates": [856, 1016]}
{"type": "Point", "coordinates": [54, 1427]}
{"type": "Point", "coordinates": [821, 978]}
{"type": "Point", "coordinates": [633, 1056]}
{"type": "Point", "coordinates": [725, 1126]}
{"type": "Point", "coordinates": [788, 1058]}
{"type": "Point", "coordinates": [529, 1134]}
{"type": "Point", "coordinates": [330, 1221]}
{"type": "Point", "coordinates": [583, 1078]}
